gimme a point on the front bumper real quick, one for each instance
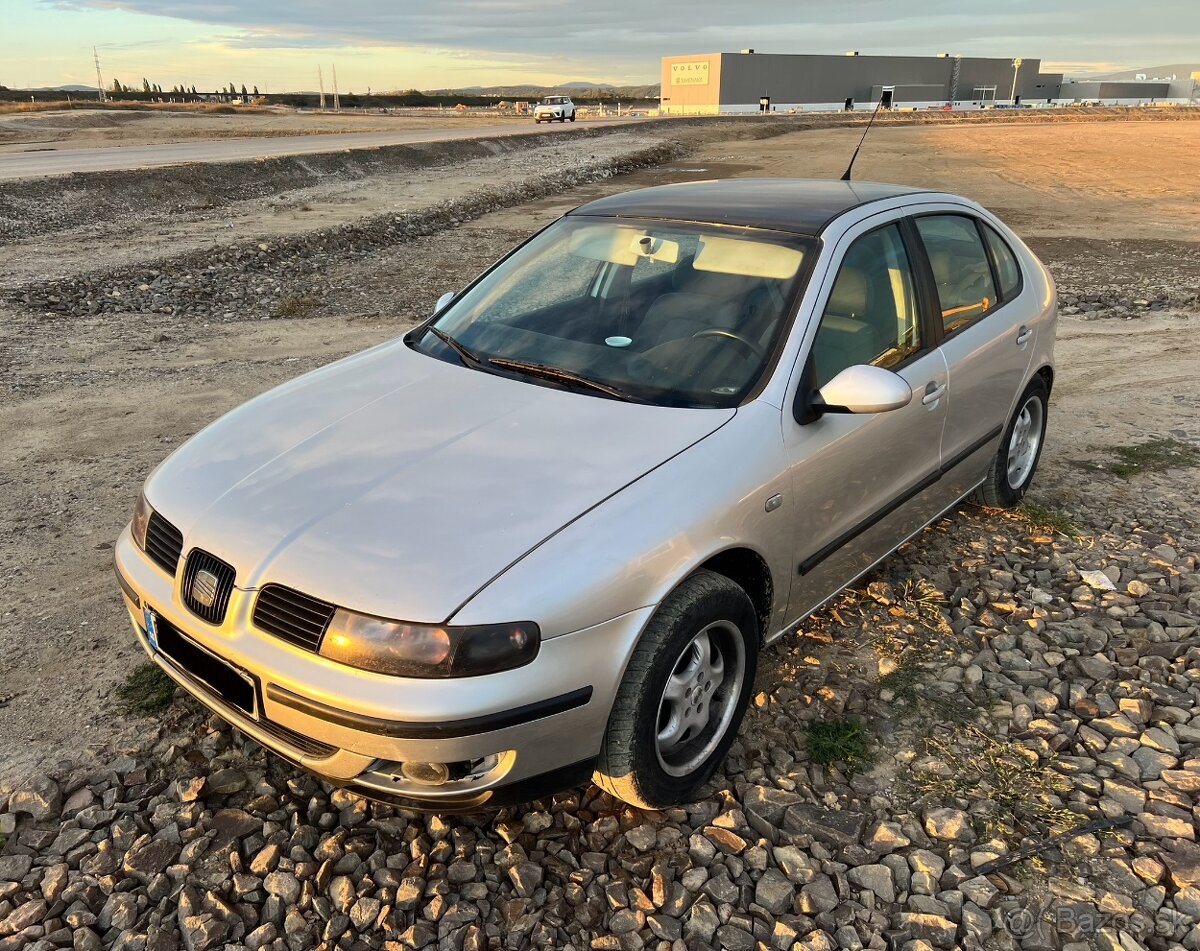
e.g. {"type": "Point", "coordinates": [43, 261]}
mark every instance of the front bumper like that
{"type": "Point", "coordinates": [522, 732]}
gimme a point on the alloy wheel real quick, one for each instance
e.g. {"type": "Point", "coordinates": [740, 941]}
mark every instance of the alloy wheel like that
{"type": "Point", "coordinates": [1024, 443]}
{"type": "Point", "coordinates": [700, 698]}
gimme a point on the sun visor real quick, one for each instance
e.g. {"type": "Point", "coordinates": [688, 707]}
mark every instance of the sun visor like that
{"type": "Point", "coordinates": [747, 258]}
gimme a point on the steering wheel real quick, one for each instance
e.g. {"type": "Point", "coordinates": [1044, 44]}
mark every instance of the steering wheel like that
{"type": "Point", "coordinates": [733, 335]}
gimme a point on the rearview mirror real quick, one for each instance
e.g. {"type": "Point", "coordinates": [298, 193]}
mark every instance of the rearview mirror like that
{"type": "Point", "coordinates": [442, 302]}
{"type": "Point", "coordinates": [864, 389]}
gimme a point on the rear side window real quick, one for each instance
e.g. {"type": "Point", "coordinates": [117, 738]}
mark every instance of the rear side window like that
{"type": "Point", "coordinates": [960, 266]}
{"type": "Point", "coordinates": [1008, 273]}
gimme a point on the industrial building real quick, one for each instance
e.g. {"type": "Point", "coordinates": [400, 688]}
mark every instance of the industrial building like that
{"type": "Point", "coordinates": [710, 83]}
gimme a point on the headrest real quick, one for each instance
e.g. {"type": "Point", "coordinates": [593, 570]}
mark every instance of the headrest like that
{"type": "Point", "coordinates": [942, 265]}
{"type": "Point", "coordinates": [684, 273]}
{"type": "Point", "coordinates": [680, 305]}
{"type": "Point", "coordinates": [849, 295]}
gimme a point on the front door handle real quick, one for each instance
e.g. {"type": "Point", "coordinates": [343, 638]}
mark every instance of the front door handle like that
{"type": "Point", "coordinates": [1023, 335]}
{"type": "Point", "coordinates": [933, 392]}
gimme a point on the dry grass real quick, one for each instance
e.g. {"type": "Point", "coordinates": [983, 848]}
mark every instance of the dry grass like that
{"type": "Point", "coordinates": [1048, 519]}
{"type": "Point", "coordinates": [1020, 795]}
{"type": "Point", "coordinates": [295, 305]}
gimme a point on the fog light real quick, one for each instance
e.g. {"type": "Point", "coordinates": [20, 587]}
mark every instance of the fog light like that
{"type": "Point", "coordinates": [425, 774]}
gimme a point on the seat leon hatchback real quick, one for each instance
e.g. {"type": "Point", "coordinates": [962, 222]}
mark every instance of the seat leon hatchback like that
{"type": "Point", "coordinates": [543, 536]}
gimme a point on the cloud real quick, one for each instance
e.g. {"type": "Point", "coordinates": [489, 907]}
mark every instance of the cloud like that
{"type": "Point", "coordinates": [621, 32]}
{"type": "Point", "coordinates": [434, 43]}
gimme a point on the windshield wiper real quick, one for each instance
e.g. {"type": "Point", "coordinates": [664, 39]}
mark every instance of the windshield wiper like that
{"type": "Point", "coordinates": [562, 376]}
{"type": "Point", "coordinates": [469, 357]}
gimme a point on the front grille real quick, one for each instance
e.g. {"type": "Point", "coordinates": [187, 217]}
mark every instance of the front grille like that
{"type": "Point", "coordinates": [164, 543]}
{"type": "Point", "coordinates": [207, 595]}
{"type": "Point", "coordinates": [293, 616]}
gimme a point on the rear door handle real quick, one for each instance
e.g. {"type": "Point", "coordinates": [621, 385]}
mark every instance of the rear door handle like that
{"type": "Point", "coordinates": [933, 392]}
{"type": "Point", "coordinates": [1023, 335]}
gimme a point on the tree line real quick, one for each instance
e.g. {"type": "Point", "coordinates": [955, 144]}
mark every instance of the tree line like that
{"type": "Point", "coordinates": [154, 89]}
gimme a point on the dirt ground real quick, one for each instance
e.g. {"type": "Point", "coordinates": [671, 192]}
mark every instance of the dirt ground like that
{"type": "Point", "coordinates": [92, 404]}
{"type": "Point", "coordinates": [90, 128]}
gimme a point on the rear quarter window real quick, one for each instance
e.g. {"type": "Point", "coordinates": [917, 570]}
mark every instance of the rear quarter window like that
{"type": "Point", "coordinates": [1008, 272]}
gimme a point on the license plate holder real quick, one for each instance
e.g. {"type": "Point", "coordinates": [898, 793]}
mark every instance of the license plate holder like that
{"type": "Point", "coordinates": [212, 673]}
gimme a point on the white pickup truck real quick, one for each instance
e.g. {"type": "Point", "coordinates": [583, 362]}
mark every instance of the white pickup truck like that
{"type": "Point", "coordinates": [554, 107]}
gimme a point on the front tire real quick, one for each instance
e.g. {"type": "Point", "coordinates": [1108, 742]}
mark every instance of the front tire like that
{"type": "Point", "coordinates": [683, 695]}
{"type": "Point", "coordinates": [572, 117]}
{"type": "Point", "coordinates": [1020, 449]}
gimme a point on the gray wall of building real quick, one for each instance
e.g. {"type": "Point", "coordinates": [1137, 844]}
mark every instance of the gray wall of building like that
{"type": "Point", "coordinates": [803, 78]}
{"type": "Point", "coordinates": [1115, 90]}
{"type": "Point", "coordinates": [1046, 87]}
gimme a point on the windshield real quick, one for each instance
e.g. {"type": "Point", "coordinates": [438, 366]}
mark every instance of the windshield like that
{"type": "Point", "coordinates": [660, 312]}
{"type": "Point", "coordinates": [553, 101]}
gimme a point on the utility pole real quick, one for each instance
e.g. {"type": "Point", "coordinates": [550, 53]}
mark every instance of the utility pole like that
{"type": "Point", "coordinates": [337, 103]}
{"type": "Point", "coordinates": [1016, 68]}
{"type": "Point", "coordinates": [321, 80]}
{"type": "Point", "coordinates": [99, 78]}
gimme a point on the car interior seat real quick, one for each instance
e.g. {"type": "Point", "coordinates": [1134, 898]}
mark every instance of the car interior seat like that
{"type": "Point", "coordinates": [846, 336]}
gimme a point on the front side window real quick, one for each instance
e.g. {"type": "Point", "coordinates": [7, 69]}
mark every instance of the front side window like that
{"type": "Point", "coordinates": [960, 266]}
{"type": "Point", "coordinates": [872, 315]}
{"type": "Point", "coordinates": [661, 312]}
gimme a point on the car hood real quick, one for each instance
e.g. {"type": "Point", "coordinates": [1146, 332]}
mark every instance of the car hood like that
{"type": "Point", "coordinates": [399, 485]}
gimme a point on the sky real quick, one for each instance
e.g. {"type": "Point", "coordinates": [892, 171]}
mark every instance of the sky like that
{"type": "Point", "coordinates": [386, 45]}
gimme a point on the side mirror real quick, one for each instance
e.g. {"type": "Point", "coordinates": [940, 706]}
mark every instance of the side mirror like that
{"type": "Point", "coordinates": [442, 302]}
{"type": "Point", "coordinates": [864, 389]}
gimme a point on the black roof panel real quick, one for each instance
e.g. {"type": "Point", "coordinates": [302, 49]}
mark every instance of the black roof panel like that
{"type": "Point", "coordinates": [799, 205]}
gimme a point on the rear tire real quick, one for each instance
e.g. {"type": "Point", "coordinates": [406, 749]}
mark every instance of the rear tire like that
{"type": "Point", "coordinates": [1020, 449]}
{"type": "Point", "coordinates": [683, 695]}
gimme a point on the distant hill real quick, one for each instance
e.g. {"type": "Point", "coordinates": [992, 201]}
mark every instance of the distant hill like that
{"type": "Point", "coordinates": [530, 91]}
{"type": "Point", "coordinates": [71, 88]}
{"type": "Point", "coordinates": [1180, 70]}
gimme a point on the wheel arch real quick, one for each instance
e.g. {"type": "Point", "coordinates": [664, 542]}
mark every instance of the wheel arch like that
{"type": "Point", "coordinates": [749, 571]}
{"type": "Point", "coordinates": [1046, 372]}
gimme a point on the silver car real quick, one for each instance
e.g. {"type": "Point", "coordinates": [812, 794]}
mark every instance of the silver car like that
{"type": "Point", "coordinates": [543, 537]}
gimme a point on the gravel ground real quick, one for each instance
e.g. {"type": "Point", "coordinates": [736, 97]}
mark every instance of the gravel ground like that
{"type": "Point", "coordinates": [1123, 279]}
{"type": "Point", "coordinates": [1018, 688]}
{"type": "Point", "coordinates": [287, 276]}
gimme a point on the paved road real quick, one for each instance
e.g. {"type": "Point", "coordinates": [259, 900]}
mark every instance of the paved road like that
{"type": "Point", "coordinates": [40, 164]}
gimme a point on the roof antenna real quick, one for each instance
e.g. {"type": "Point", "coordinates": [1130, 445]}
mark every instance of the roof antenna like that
{"type": "Point", "coordinates": [846, 175]}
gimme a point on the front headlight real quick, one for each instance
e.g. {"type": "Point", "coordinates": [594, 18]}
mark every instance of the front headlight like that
{"type": "Point", "coordinates": [141, 520]}
{"type": "Point", "coordinates": [426, 650]}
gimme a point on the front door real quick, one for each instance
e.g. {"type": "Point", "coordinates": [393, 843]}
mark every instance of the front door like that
{"type": "Point", "coordinates": [864, 483]}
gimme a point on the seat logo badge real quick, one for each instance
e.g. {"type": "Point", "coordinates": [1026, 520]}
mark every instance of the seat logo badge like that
{"type": "Point", "coordinates": [204, 588]}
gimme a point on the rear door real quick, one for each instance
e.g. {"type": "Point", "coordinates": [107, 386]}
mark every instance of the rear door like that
{"type": "Point", "coordinates": [864, 483]}
{"type": "Point", "coordinates": [983, 330]}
